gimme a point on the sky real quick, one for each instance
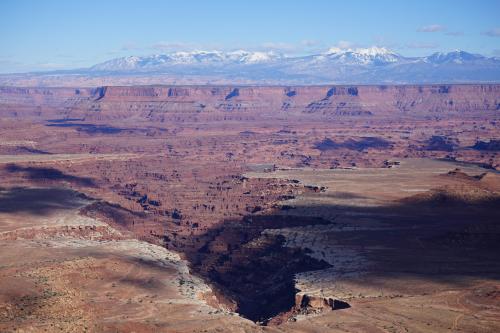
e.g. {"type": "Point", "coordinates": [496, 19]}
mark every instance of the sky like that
{"type": "Point", "coordinates": [60, 34]}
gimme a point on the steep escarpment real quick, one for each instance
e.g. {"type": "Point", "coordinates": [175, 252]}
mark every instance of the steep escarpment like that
{"type": "Point", "coordinates": [55, 96]}
{"type": "Point", "coordinates": [159, 103]}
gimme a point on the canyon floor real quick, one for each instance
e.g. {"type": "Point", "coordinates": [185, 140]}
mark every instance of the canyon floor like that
{"type": "Point", "coordinates": [251, 209]}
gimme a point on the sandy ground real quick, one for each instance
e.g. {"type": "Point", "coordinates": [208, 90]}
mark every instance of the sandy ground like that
{"type": "Point", "coordinates": [62, 157]}
{"type": "Point", "coordinates": [60, 271]}
{"type": "Point", "coordinates": [394, 282]}
{"type": "Point", "coordinates": [372, 186]}
{"type": "Point", "coordinates": [54, 280]}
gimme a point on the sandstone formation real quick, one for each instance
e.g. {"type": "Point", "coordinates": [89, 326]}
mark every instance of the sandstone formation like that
{"type": "Point", "coordinates": [152, 101]}
{"type": "Point", "coordinates": [302, 208]}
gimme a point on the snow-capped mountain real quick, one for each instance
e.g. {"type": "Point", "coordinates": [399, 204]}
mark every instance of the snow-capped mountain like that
{"type": "Point", "coordinates": [367, 56]}
{"type": "Point", "coordinates": [457, 57]}
{"type": "Point", "coordinates": [374, 65]}
{"type": "Point", "coordinates": [207, 58]}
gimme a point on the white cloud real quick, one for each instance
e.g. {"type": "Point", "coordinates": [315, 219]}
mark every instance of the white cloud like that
{"type": "Point", "coordinates": [432, 28]}
{"type": "Point", "coordinates": [492, 33]}
{"type": "Point", "coordinates": [342, 45]}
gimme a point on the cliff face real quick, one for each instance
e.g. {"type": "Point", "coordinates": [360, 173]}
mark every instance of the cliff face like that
{"type": "Point", "coordinates": [153, 101]}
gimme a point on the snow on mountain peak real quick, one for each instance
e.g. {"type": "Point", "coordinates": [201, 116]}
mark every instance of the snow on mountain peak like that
{"type": "Point", "coordinates": [374, 51]}
{"type": "Point", "coordinates": [457, 57]}
{"type": "Point", "coordinates": [256, 57]}
{"type": "Point", "coordinates": [369, 51]}
{"type": "Point", "coordinates": [363, 56]}
{"type": "Point", "coordinates": [373, 64]}
{"type": "Point", "coordinates": [198, 57]}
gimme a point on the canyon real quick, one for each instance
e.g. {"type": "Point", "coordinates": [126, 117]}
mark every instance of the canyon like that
{"type": "Point", "coordinates": [209, 208]}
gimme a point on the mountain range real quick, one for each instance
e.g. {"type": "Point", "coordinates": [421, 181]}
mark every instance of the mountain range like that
{"type": "Point", "coordinates": [375, 65]}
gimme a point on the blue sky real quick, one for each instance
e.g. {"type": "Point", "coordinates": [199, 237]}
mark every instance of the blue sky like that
{"type": "Point", "coordinates": [51, 34]}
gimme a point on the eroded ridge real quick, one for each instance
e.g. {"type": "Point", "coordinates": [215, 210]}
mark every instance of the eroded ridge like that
{"type": "Point", "coordinates": [177, 209]}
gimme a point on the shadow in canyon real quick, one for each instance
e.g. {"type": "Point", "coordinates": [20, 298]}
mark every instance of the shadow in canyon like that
{"type": "Point", "coordinates": [438, 238]}
{"type": "Point", "coordinates": [50, 174]}
{"type": "Point", "coordinates": [89, 128]}
{"type": "Point", "coordinates": [448, 240]}
{"type": "Point", "coordinates": [361, 144]}
{"type": "Point", "coordinates": [38, 201]}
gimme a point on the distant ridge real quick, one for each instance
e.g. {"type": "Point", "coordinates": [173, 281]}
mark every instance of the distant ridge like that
{"type": "Point", "coordinates": [375, 65]}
